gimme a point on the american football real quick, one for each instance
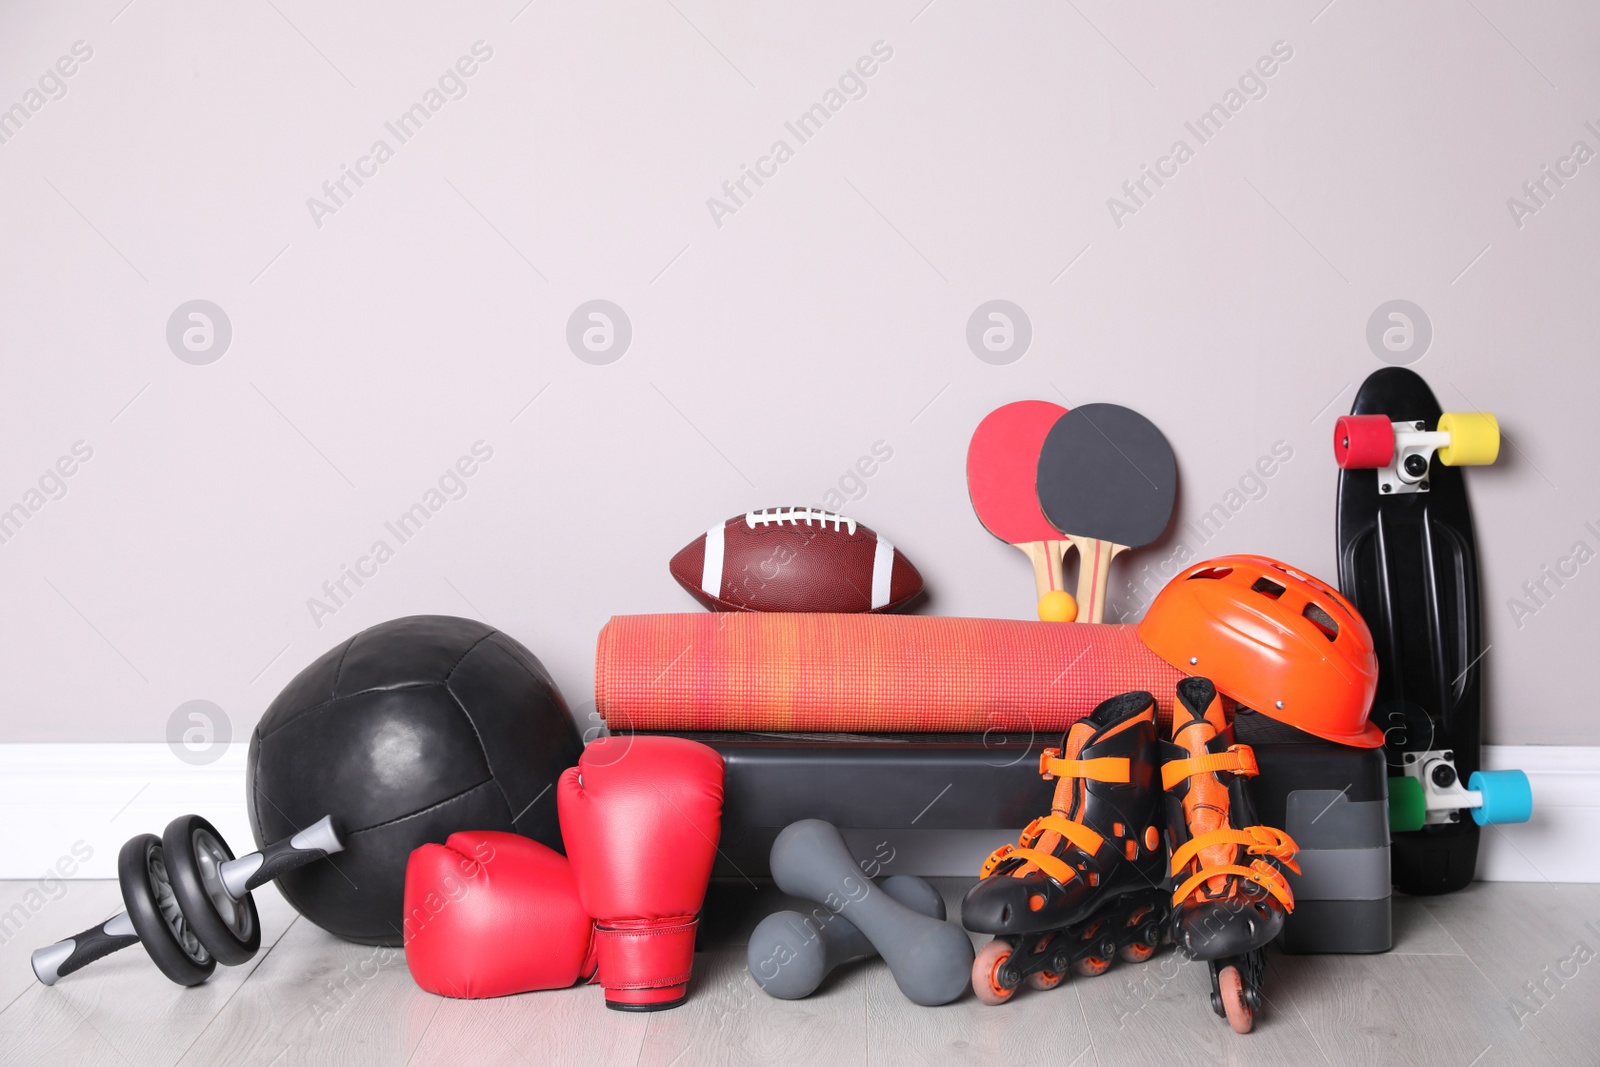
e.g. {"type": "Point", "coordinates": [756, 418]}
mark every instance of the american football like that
{"type": "Point", "coordinates": [795, 559]}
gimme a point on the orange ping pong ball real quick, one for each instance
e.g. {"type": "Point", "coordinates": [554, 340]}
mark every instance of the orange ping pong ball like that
{"type": "Point", "coordinates": [1058, 606]}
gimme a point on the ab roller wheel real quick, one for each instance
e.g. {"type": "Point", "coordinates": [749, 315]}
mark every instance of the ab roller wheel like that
{"type": "Point", "coordinates": [153, 920]}
{"type": "Point", "coordinates": [188, 900]}
{"type": "Point", "coordinates": [155, 914]}
{"type": "Point", "coordinates": [227, 925]}
{"type": "Point", "coordinates": [213, 888]}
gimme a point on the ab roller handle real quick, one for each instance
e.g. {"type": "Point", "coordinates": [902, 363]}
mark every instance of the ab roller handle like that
{"type": "Point", "coordinates": [188, 900]}
{"type": "Point", "coordinates": [64, 957]}
{"type": "Point", "coordinates": [319, 839]}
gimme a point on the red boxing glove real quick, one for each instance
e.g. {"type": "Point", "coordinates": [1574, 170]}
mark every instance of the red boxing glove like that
{"type": "Point", "coordinates": [640, 817]}
{"type": "Point", "coordinates": [490, 913]}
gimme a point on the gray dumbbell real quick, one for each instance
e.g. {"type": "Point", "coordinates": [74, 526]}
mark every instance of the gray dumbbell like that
{"type": "Point", "coordinates": [931, 960]}
{"type": "Point", "coordinates": [791, 953]}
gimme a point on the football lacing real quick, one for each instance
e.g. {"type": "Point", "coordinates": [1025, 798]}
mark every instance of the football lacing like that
{"type": "Point", "coordinates": [779, 516]}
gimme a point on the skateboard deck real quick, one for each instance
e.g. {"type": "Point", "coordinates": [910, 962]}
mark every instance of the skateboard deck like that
{"type": "Point", "coordinates": [1408, 559]}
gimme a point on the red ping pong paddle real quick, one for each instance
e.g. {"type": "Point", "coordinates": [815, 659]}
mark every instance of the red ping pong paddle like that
{"type": "Point", "coordinates": [1107, 479]}
{"type": "Point", "coordinates": [1002, 466]}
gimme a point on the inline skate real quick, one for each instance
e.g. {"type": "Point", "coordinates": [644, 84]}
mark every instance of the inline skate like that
{"type": "Point", "coordinates": [1085, 883]}
{"type": "Point", "coordinates": [1230, 894]}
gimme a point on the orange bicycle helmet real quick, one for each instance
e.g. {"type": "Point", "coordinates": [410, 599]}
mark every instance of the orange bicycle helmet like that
{"type": "Point", "coordinates": [1274, 639]}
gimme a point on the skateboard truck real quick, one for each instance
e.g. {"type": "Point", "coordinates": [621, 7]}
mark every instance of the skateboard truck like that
{"type": "Point", "coordinates": [1430, 793]}
{"type": "Point", "coordinates": [1403, 451]}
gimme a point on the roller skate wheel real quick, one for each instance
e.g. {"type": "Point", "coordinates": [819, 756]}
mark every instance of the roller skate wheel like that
{"type": "Point", "coordinates": [1136, 952]}
{"type": "Point", "coordinates": [986, 969]}
{"type": "Point", "coordinates": [1143, 937]}
{"type": "Point", "coordinates": [1474, 438]}
{"type": "Point", "coordinates": [1506, 797]}
{"type": "Point", "coordinates": [1090, 966]}
{"type": "Point", "coordinates": [1363, 441]}
{"type": "Point", "coordinates": [1408, 805]}
{"type": "Point", "coordinates": [1044, 978]}
{"type": "Point", "coordinates": [1234, 1006]}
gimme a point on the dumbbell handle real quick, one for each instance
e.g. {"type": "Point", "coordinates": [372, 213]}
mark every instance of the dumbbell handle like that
{"type": "Point", "coordinates": [846, 944]}
{"type": "Point", "coordinates": [241, 875]}
{"type": "Point", "coordinates": [790, 953]}
{"type": "Point", "coordinates": [64, 957]}
{"type": "Point", "coordinates": [931, 960]}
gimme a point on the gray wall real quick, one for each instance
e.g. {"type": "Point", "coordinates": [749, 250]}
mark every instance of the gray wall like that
{"type": "Point", "coordinates": [775, 340]}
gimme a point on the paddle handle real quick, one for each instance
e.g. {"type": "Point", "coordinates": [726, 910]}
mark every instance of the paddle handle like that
{"type": "Point", "coordinates": [1094, 569]}
{"type": "Point", "coordinates": [1046, 557]}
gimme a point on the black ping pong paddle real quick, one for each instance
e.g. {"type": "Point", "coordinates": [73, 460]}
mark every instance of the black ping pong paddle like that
{"type": "Point", "coordinates": [1107, 480]}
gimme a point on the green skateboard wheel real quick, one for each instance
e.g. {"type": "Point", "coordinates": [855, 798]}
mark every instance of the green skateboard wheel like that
{"type": "Point", "coordinates": [1408, 807]}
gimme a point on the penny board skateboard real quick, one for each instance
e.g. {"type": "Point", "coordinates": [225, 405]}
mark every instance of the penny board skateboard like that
{"type": "Point", "coordinates": [1408, 559]}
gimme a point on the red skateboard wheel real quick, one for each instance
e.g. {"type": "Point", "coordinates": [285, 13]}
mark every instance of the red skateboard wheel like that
{"type": "Point", "coordinates": [1361, 441]}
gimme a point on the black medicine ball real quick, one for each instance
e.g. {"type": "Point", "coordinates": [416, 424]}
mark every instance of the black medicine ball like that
{"type": "Point", "coordinates": [405, 733]}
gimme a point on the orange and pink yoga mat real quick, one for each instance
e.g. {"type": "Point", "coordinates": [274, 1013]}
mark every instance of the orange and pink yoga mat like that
{"type": "Point", "coordinates": [865, 673]}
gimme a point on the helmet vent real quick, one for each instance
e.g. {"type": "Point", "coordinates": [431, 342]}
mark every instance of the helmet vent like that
{"type": "Point", "coordinates": [1322, 621]}
{"type": "Point", "coordinates": [1213, 573]}
{"type": "Point", "coordinates": [1267, 587]}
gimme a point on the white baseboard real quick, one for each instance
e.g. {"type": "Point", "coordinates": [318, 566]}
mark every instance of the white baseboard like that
{"type": "Point", "coordinates": [1557, 845]}
{"type": "Point", "coordinates": [59, 801]}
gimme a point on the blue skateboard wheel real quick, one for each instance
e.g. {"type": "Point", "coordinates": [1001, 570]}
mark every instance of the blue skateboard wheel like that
{"type": "Point", "coordinates": [1506, 797]}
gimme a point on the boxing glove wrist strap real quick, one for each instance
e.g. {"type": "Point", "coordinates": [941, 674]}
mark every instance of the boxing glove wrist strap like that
{"type": "Point", "coordinates": [646, 953]}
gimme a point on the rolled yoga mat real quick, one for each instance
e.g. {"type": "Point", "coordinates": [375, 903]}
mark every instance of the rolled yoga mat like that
{"type": "Point", "coordinates": [911, 673]}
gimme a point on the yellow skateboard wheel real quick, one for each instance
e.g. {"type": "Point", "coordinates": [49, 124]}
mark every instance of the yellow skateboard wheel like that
{"type": "Point", "coordinates": [1474, 438]}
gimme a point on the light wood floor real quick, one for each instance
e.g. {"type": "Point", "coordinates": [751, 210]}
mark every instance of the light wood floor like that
{"type": "Point", "coordinates": [1447, 995]}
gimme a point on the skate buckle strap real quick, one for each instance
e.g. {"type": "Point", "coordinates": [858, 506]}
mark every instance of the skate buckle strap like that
{"type": "Point", "coordinates": [1075, 832]}
{"type": "Point", "coordinates": [1265, 841]}
{"type": "Point", "coordinates": [1103, 769]}
{"type": "Point", "coordinates": [1238, 759]}
{"type": "Point", "coordinates": [1057, 868]}
{"type": "Point", "coordinates": [1257, 840]}
{"type": "Point", "coordinates": [996, 857]}
{"type": "Point", "coordinates": [1260, 872]}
